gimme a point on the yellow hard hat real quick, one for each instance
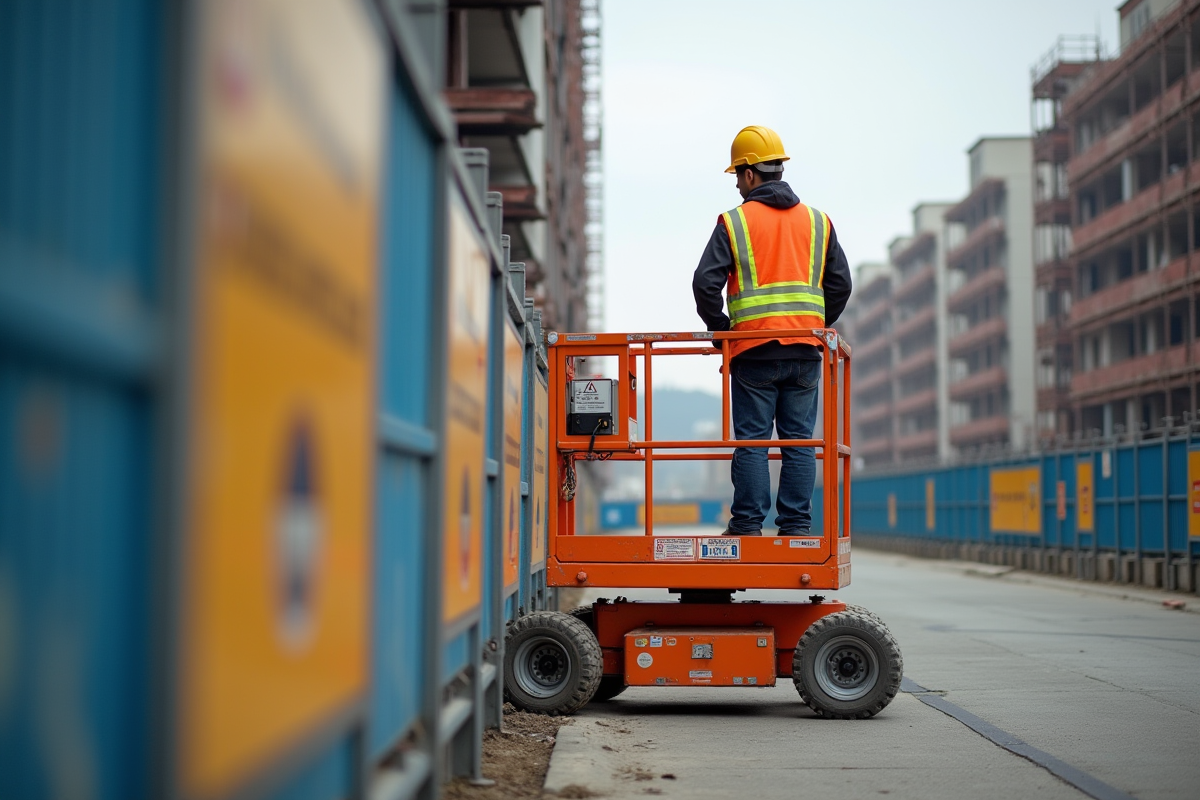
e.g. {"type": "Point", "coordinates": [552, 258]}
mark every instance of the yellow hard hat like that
{"type": "Point", "coordinates": [753, 145]}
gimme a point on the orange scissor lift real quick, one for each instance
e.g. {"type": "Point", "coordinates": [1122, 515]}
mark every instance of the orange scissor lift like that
{"type": "Point", "coordinates": [842, 659]}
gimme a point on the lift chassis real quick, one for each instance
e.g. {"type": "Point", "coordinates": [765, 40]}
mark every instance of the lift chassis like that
{"type": "Point", "coordinates": [842, 659]}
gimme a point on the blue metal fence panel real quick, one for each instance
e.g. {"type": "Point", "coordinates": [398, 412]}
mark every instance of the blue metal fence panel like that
{"type": "Point", "coordinates": [1177, 493]}
{"type": "Point", "coordinates": [407, 275]}
{"type": "Point", "coordinates": [74, 544]}
{"type": "Point", "coordinates": [1139, 492]}
{"type": "Point", "coordinates": [78, 286]}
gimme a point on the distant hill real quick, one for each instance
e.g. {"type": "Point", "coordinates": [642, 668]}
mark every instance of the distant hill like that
{"type": "Point", "coordinates": [677, 414]}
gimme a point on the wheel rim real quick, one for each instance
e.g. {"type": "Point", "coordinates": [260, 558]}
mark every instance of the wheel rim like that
{"type": "Point", "coordinates": [847, 668]}
{"type": "Point", "coordinates": [541, 666]}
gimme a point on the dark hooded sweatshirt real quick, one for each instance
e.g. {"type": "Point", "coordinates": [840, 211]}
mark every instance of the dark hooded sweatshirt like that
{"type": "Point", "coordinates": [716, 265]}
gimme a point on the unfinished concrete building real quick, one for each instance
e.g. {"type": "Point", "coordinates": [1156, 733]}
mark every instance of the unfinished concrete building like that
{"type": "Point", "coordinates": [871, 338]}
{"type": "Point", "coordinates": [990, 300]}
{"type": "Point", "coordinates": [523, 80]}
{"type": "Point", "coordinates": [1134, 123]}
{"type": "Point", "coordinates": [1058, 72]}
{"type": "Point", "coordinates": [919, 329]}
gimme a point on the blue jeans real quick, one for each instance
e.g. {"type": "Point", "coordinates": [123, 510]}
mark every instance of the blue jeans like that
{"type": "Point", "coordinates": [782, 392]}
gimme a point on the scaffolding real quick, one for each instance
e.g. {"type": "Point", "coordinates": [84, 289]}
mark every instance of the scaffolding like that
{"type": "Point", "coordinates": [593, 172]}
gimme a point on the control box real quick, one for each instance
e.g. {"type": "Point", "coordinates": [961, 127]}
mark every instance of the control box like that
{"type": "Point", "coordinates": [700, 657]}
{"type": "Point", "coordinates": [591, 407]}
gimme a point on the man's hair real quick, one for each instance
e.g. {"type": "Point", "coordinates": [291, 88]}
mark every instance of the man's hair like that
{"type": "Point", "coordinates": [766, 176]}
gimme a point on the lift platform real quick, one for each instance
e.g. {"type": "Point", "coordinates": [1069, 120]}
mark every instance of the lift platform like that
{"type": "Point", "coordinates": [842, 659]}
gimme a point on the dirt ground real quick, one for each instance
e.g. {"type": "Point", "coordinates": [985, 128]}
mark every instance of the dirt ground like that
{"type": "Point", "coordinates": [516, 759]}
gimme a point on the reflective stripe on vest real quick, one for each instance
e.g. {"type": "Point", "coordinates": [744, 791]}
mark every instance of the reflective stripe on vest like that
{"type": "Point", "coordinates": [786, 298]}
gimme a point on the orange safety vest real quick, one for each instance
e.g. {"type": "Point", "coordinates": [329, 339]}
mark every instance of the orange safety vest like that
{"type": "Point", "coordinates": [779, 265]}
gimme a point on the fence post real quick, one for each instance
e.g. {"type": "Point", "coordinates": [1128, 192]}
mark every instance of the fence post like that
{"type": "Point", "coordinates": [1187, 537]}
{"type": "Point", "coordinates": [1116, 484]}
{"type": "Point", "coordinates": [1137, 505]}
{"type": "Point", "coordinates": [1168, 577]}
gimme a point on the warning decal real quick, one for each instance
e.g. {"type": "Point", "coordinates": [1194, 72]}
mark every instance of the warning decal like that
{"type": "Point", "coordinates": [674, 549]}
{"type": "Point", "coordinates": [592, 396]}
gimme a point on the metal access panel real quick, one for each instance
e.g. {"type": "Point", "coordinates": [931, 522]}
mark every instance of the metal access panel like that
{"type": "Point", "coordinates": [700, 657]}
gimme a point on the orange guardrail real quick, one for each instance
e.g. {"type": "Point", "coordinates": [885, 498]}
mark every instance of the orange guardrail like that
{"type": "Point", "coordinates": [777, 562]}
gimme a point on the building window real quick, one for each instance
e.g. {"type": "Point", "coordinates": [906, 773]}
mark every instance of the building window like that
{"type": "Point", "coordinates": [1139, 18]}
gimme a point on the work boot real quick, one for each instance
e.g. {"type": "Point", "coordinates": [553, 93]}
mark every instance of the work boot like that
{"type": "Point", "coordinates": [728, 532]}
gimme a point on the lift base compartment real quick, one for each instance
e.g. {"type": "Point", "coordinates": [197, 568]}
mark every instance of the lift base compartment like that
{"type": "Point", "coordinates": [700, 656]}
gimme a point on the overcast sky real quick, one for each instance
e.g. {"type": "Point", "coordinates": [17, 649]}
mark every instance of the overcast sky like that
{"type": "Point", "coordinates": [877, 102]}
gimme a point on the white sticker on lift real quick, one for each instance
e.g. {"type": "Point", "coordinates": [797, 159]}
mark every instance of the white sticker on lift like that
{"type": "Point", "coordinates": [644, 660]}
{"type": "Point", "coordinates": [721, 549]}
{"type": "Point", "coordinates": [674, 549]}
{"type": "Point", "coordinates": [592, 396]}
{"type": "Point", "coordinates": [700, 674]}
{"type": "Point", "coordinates": [656, 641]}
{"type": "Point", "coordinates": [806, 543]}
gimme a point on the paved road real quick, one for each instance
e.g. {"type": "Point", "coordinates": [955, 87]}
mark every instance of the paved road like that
{"type": "Point", "coordinates": [1104, 690]}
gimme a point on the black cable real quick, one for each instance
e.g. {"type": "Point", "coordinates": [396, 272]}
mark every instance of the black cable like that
{"type": "Point", "coordinates": [592, 444]}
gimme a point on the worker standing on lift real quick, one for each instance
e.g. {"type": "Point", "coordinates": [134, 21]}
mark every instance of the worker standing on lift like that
{"type": "Point", "coordinates": [782, 267]}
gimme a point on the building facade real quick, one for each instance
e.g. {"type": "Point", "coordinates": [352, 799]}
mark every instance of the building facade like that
{"type": "Point", "coordinates": [522, 79]}
{"type": "Point", "coordinates": [1134, 127]}
{"type": "Point", "coordinates": [919, 334]}
{"type": "Point", "coordinates": [868, 328]}
{"type": "Point", "coordinates": [992, 400]}
{"type": "Point", "coordinates": [1058, 73]}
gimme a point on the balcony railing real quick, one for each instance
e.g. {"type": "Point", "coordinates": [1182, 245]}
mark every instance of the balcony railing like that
{"type": "Point", "coordinates": [865, 384]}
{"type": "Point", "coordinates": [914, 323]}
{"type": "Point", "coordinates": [1110, 223]}
{"type": "Point", "coordinates": [864, 351]}
{"type": "Point", "coordinates": [985, 281]}
{"type": "Point", "coordinates": [865, 416]}
{"type": "Point", "coordinates": [989, 231]}
{"type": "Point", "coordinates": [922, 278]}
{"type": "Point", "coordinates": [1130, 292]}
{"type": "Point", "coordinates": [913, 362]}
{"type": "Point", "coordinates": [985, 187]}
{"type": "Point", "coordinates": [985, 380]}
{"type": "Point", "coordinates": [873, 446]}
{"type": "Point", "coordinates": [979, 431]}
{"type": "Point", "coordinates": [493, 110]}
{"type": "Point", "coordinates": [1114, 144]}
{"type": "Point", "coordinates": [978, 334]}
{"type": "Point", "coordinates": [916, 402]}
{"type": "Point", "coordinates": [1147, 369]}
{"type": "Point", "coordinates": [919, 441]}
{"type": "Point", "coordinates": [920, 243]}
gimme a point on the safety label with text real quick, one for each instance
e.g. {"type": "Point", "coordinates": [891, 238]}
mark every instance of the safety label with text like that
{"type": "Point", "coordinates": [804, 542]}
{"type": "Point", "coordinates": [720, 549]}
{"type": "Point", "coordinates": [591, 396]}
{"type": "Point", "coordinates": [700, 674]}
{"type": "Point", "coordinates": [674, 549]}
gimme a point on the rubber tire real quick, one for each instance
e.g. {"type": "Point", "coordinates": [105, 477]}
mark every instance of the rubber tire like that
{"type": "Point", "coordinates": [862, 611]}
{"type": "Point", "coordinates": [610, 685]}
{"type": "Point", "coordinates": [586, 662]}
{"type": "Point", "coordinates": [873, 635]}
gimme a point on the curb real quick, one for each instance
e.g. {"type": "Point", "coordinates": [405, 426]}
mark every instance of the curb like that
{"type": "Point", "coordinates": [578, 760]}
